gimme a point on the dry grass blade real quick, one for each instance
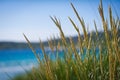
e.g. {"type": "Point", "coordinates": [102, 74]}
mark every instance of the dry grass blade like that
{"type": "Point", "coordinates": [79, 36]}
{"type": "Point", "coordinates": [101, 11]}
{"type": "Point", "coordinates": [55, 20]}
{"type": "Point", "coordinates": [111, 18]}
{"type": "Point", "coordinates": [44, 53]}
{"type": "Point", "coordinates": [82, 23]}
{"type": "Point", "coordinates": [114, 27]}
{"type": "Point", "coordinates": [74, 50]}
{"type": "Point", "coordinates": [47, 63]}
{"type": "Point", "coordinates": [89, 47]}
{"type": "Point", "coordinates": [51, 45]}
{"type": "Point", "coordinates": [96, 30]}
{"type": "Point", "coordinates": [101, 64]}
{"type": "Point", "coordinates": [33, 50]}
{"type": "Point", "coordinates": [76, 28]}
{"type": "Point", "coordinates": [105, 26]}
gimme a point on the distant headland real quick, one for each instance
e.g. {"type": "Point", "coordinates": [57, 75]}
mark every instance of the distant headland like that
{"type": "Point", "coordinates": [24, 45]}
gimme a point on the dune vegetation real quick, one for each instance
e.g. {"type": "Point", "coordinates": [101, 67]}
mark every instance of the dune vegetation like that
{"type": "Point", "coordinates": [102, 66]}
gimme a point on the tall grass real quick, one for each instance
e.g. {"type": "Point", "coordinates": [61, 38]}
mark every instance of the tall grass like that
{"type": "Point", "coordinates": [105, 66]}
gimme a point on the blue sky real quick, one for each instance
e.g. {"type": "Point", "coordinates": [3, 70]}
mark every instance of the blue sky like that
{"type": "Point", "coordinates": [32, 17]}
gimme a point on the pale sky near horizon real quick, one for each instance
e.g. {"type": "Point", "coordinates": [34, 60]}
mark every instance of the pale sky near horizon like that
{"type": "Point", "coordinates": [32, 17]}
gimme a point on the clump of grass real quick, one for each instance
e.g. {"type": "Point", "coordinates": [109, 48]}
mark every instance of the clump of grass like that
{"type": "Point", "coordinates": [105, 66]}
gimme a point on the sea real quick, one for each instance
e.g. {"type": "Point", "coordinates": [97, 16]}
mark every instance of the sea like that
{"type": "Point", "coordinates": [16, 61]}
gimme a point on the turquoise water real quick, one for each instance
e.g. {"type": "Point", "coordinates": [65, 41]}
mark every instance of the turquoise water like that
{"type": "Point", "coordinates": [16, 61]}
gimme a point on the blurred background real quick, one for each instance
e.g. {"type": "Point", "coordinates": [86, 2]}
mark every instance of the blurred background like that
{"type": "Point", "coordinates": [32, 17]}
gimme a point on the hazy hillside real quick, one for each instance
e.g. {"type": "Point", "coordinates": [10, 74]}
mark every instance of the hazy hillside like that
{"type": "Point", "coordinates": [15, 45]}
